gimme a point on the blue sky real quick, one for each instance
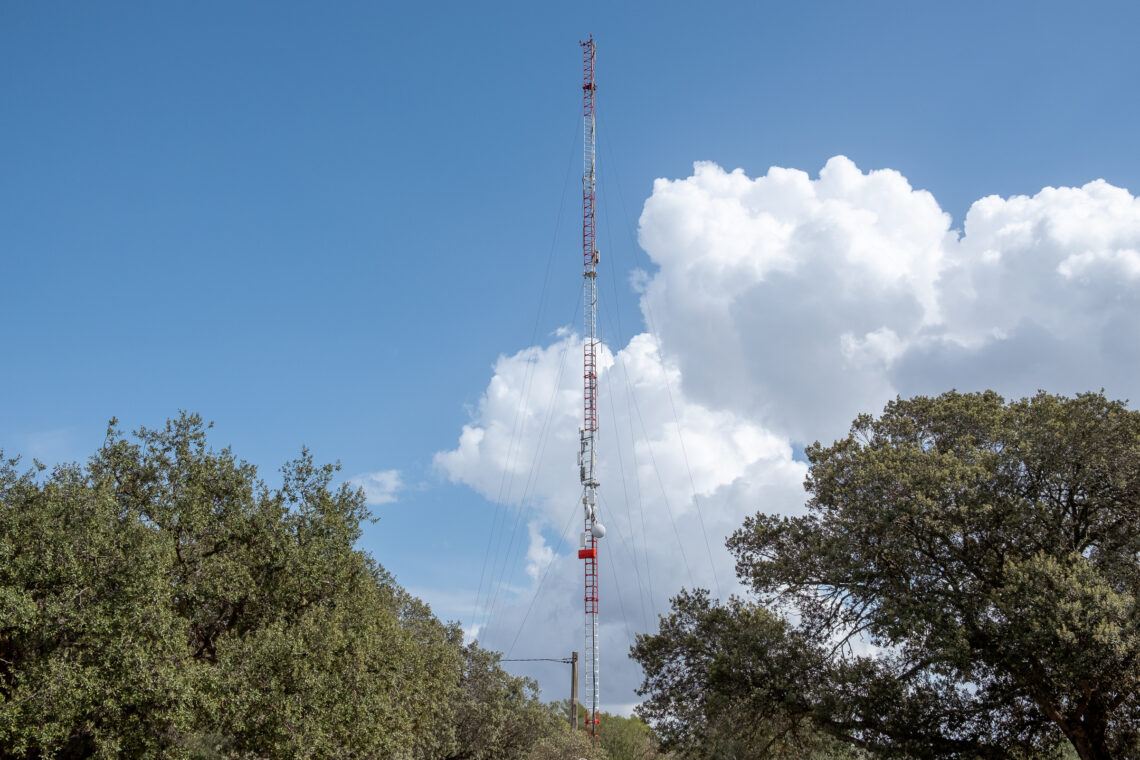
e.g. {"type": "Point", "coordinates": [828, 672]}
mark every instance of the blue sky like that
{"type": "Point", "coordinates": [322, 225]}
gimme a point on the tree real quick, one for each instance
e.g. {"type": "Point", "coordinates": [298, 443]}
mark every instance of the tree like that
{"type": "Point", "coordinates": [492, 714]}
{"type": "Point", "coordinates": [627, 738]}
{"type": "Point", "coordinates": [163, 602]}
{"type": "Point", "coordinates": [620, 737]}
{"type": "Point", "coordinates": [566, 744]}
{"type": "Point", "coordinates": [92, 656]}
{"type": "Point", "coordinates": [963, 585]}
{"type": "Point", "coordinates": [733, 682]}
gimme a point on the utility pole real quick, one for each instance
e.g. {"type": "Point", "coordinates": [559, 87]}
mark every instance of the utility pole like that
{"type": "Point", "coordinates": [574, 691]}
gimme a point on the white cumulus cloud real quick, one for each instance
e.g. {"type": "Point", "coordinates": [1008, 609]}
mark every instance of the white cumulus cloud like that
{"type": "Point", "coordinates": [379, 487]}
{"type": "Point", "coordinates": [673, 486]}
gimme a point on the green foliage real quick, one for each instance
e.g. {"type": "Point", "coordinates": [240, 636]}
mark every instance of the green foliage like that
{"type": "Point", "coordinates": [620, 738]}
{"type": "Point", "coordinates": [988, 551]}
{"type": "Point", "coordinates": [493, 715]}
{"type": "Point", "coordinates": [627, 738]}
{"type": "Point", "coordinates": [163, 602]}
{"type": "Point", "coordinates": [733, 681]}
{"type": "Point", "coordinates": [92, 655]}
{"type": "Point", "coordinates": [564, 744]}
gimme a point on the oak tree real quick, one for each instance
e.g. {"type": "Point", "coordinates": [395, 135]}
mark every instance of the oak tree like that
{"type": "Point", "coordinates": [963, 585]}
{"type": "Point", "coordinates": [162, 601]}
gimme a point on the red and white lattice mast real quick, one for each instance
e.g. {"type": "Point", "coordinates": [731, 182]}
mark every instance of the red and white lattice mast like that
{"type": "Point", "coordinates": [587, 454]}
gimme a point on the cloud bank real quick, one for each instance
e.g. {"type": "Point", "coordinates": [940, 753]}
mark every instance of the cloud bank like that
{"type": "Point", "coordinates": [801, 302]}
{"type": "Point", "coordinates": [781, 307]}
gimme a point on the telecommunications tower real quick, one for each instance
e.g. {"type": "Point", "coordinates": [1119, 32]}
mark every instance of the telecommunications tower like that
{"type": "Point", "coordinates": [588, 434]}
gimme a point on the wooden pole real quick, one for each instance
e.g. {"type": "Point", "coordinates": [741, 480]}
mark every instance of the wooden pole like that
{"type": "Point", "coordinates": [574, 691]}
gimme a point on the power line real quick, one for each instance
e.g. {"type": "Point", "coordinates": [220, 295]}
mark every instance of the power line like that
{"type": "Point", "coordinates": [532, 480]}
{"type": "Point", "coordinates": [542, 581]}
{"type": "Point", "coordinates": [650, 323]}
{"type": "Point", "coordinates": [505, 484]}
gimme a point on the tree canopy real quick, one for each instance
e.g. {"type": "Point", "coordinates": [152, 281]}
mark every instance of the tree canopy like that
{"type": "Point", "coordinates": [162, 601]}
{"type": "Point", "coordinates": [963, 585]}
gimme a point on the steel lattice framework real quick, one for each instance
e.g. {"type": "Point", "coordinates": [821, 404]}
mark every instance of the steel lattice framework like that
{"type": "Point", "coordinates": [587, 456]}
